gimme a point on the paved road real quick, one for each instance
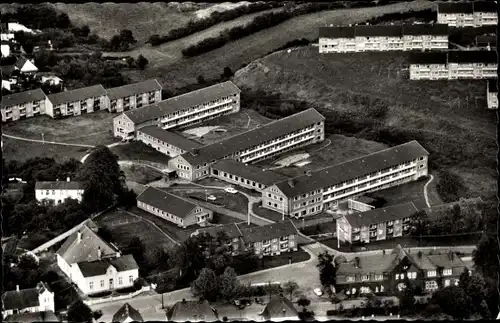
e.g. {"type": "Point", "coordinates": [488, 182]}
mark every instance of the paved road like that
{"type": "Point", "coordinates": [46, 142]}
{"type": "Point", "coordinates": [425, 191]}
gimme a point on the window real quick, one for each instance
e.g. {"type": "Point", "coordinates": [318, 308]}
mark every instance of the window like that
{"type": "Point", "coordinates": [402, 276]}
{"type": "Point", "coordinates": [102, 283]}
{"type": "Point", "coordinates": [431, 273]}
{"type": "Point", "coordinates": [120, 281]}
{"type": "Point", "coordinates": [379, 277]}
{"type": "Point", "coordinates": [431, 285]}
{"type": "Point", "coordinates": [412, 275]}
{"type": "Point", "coordinates": [130, 279]}
{"type": "Point", "coordinates": [397, 276]}
{"type": "Point", "coordinates": [350, 279]}
{"type": "Point", "coordinates": [446, 283]}
{"type": "Point", "coordinates": [91, 285]}
{"type": "Point", "coordinates": [447, 272]}
{"type": "Point", "coordinates": [364, 277]}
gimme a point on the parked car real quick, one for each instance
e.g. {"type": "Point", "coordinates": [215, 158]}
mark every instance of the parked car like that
{"type": "Point", "coordinates": [318, 291]}
{"type": "Point", "coordinates": [230, 190]}
{"type": "Point", "coordinates": [211, 198]}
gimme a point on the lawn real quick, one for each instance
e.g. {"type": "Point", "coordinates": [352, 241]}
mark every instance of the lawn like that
{"type": "Point", "coordinates": [141, 174]}
{"type": "Point", "coordinates": [225, 219]}
{"type": "Point", "coordinates": [21, 150]}
{"type": "Point", "coordinates": [267, 213]}
{"type": "Point", "coordinates": [276, 261]}
{"type": "Point", "coordinates": [137, 150]}
{"type": "Point", "coordinates": [408, 192]}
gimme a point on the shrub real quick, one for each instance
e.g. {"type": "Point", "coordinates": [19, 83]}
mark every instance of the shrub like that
{"type": "Point", "coordinates": [450, 186]}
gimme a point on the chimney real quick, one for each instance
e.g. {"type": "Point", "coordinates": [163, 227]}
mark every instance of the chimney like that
{"type": "Point", "coordinates": [195, 151]}
{"type": "Point", "coordinates": [17, 288]}
{"type": "Point", "coordinates": [291, 182]}
{"type": "Point", "coordinates": [99, 253]}
{"type": "Point", "coordinates": [79, 237]}
{"type": "Point", "coordinates": [67, 179]}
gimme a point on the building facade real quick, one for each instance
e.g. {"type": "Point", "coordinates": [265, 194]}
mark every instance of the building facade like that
{"type": "Point", "coordinates": [181, 111]}
{"type": "Point", "coordinates": [32, 300]}
{"type": "Point", "coordinates": [166, 142]}
{"type": "Point", "coordinates": [133, 96]}
{"type": "Point", "coordinates": [75, 102]}
{"type": "Point", "coordinates": [308, 194]}
{"type": "Point", "coordinates": [468, 14]}
{"type": "Point", "coordinates": [57, 192]}
{"type": "Point", "coordinates": [342, 39]}
{"type": "Point", "coordinates": [492, 94]}
{"type": "Point", "coordinates": [23, 105]}
{"type": "Point", "coordinates": [270, 140]}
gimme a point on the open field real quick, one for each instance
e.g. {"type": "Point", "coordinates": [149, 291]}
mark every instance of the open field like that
{"type": "Point", "coordinates": [21, 150]}
{"type": "Point", "coordinates": [141, 174]}
{"type": "Point", "coordinates": [137, 150]}
{"type": "Point", "coordinates": [267, 213]}
{"type": "Point", "coordinates": [451, 116]}
{"type": "Point", "coordinates": [408, 192]}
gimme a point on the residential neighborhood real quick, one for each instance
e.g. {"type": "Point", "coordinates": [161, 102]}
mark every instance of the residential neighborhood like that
{"type": "Point", "coordinates": [249, 161]}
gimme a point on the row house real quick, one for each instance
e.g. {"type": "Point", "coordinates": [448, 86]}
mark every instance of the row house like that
{"type": "Point", "coordinates": [268, 240]}
{"type": "Point", "coordinates": [468, 14]}
{"type": "Point", "coordinates": [247, 176]}
{"type": "Point", "coordinates": [180, 111]}
{"type": "Point", "coordinates": [94, 265]}
{"type": "Point", "coordinates": [23, 105]}
{"type": "Point", "coordinates": [133, 96]}
{"type": "Point", "coordinates": [166, 142]}
{"type": "Point", "coordinates": [75, 102]}
{"type": "Point", "coordinates": [173, 208]}
{"type": "Point", "coordinates": [453, 65]}
{"type": "Point", "coordinates": [377, 224]}
{"type": "Point", "coordinates": [269, 140]}
{"type": "Point", "coordinates": [492, 94]}
{"type": "Point", "coordinates": [390, 273]}
{"type": "Point", "coordinates": [56, 192]}
{"type": "Point", "coordinates": [342, 39]}
{"type": "Point", "coordinates": [308, 194]}
{"type": "Point", "coordinates": [31, 300]}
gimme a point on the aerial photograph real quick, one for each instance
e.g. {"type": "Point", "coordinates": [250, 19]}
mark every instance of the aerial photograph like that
{"type": "Point", "coordinates": [249, 161]}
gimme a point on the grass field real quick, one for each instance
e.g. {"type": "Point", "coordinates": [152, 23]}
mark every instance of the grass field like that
{"type": "Point", "coordinates": [137, 150]}
{"type": "Point", "coordinates": [21, 150]}
{"type": "Point", "coordinates": [446, 112]}
{"type": "Point", "coordinates": [266, 213]}
{"type": "Point", "coordinates": [408, 192]}
{"type": "Point", "coordinates": [141, 174]}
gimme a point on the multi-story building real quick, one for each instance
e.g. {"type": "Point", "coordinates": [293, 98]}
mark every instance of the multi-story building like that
{"type": "Point", "coordinates": [268, 240]}
{"type": "Point", "coordinates": [492, 94]}
{"type": "Point", "coordinates": [23, 105]}
{"type": "Point", "coordinates": [377, 224]}
{"type": "Point", "coordinates": [75, 102]}
{"type": "Point", "coordinates": [342, 39]}
{"type": "Point", "coordinates": [248, 176]}
{"type": "Point", "coordinates": [57, 192]}
{"type": "Point", "coordinates": [453, 65]}
{"type": "Point", "coordinates": [133, 96]}
{"type": "Point", "coordinates": [467, 14]}
{"type": "Point", "coordinates": [166, 142]}
{"type": "Point", "coordinates": [181, 111]}
{"type": "Point", "coordinates": [307, 194]}
{"type": "Point", "coordinates": [390, 273]}
{"type": "Point", "coordinates": [32, 300]}
{"type": "Point", "coordinates": [488, 42]}
{"type": "Point", "coordinates": [298, 130]}
{"type": "Point", "coordinates": [173, 208]}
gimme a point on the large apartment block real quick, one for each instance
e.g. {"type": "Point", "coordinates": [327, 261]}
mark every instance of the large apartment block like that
{"type": "Point", "coordinates": [180, 111]}
{"type": "Point", "coordinates": [377, 224]}
{"type": "Point", "coordinates": [133, 96]}
{"type": "Point", "coordinates": [75, 102]}
{"type": "Point", "coordinates": [492, 94]}
{"type": "Point", "coordinates": [468, 14]}
{"type": "Point", "coordinates": [298, 130]}
{"type": "Point", "coordinates": [23, 105]}
{"type": "Point", "coordinates": [453, 65]}
{"type": "Point", "coordinates": [342, 39]}
{"type": "Point", "coordinates": [166, 142]}
{"type": "Point", "coordinates": [307, 194]}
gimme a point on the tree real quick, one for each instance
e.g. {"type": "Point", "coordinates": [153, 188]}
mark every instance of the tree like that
{"type": "Point", "coordinates": [79, 312]}
{"type": "Point", "coordinates": [206, 285]}
{"type": "Point", "coordinates": [136, 248]}
{"type": "Point", "coordinates": [127, 198]}
{"type": "Point", "coordinates": [326, 269]}
{"type": "Point", "coordinates": [229, 284]}
{"type": "Point", "coordinates": [453, 301]}
{"type": "Point", "coordinates": [97, 314]}
{"type": "Point", "coordinates": [485, 256]}
{"type": "Point", "coordinates": [130, 62]}
{"type": "Point", "coordinates": [304, 302]}
{"type": "Point", "coordinates": [201, 79]}
{"type": "Point", "coordinates": [290, 287]}
{"type": "Point", "coordinates": [27, 261]}
{"type": "Point", "coordinates": [228, 72]}
{"type": "Point", "coordinates": [407, 299]}
{"type": "Point", "coordinates": [142, 62]}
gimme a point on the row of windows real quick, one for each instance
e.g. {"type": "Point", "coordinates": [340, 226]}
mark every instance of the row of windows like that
{"type": "Point", "coordinates": [34, 104]}
{"type": "Point", "coordinates": [120, 282]}
{"type": "Point", "coordinates": [241, 179]}
{"type": "Point", "coordinates": [195, 116]}
{"type": "Point", "coordinates": [262, 152]}
{"type": "Point", "coordinates": [308, 211]}
{"type": "Point", "coordinates": [61, 192]}
{"type": "Point", "coordinates": [166, 215]}
{"type": "Point", "coordinates": [199, 107]}
{"type": "Point", "coordinates": [313, 201]}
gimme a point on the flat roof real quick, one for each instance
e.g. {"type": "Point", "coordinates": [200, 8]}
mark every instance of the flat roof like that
{"type": "Point", "coordinates": [170, 137]}
{"type": "Point", "coordinates": [428, 58]}
{"type": "Point", "coordinates": [472, 56]}
{"type": "Point", "coordinates": [133, 89]}
{"type": "Point", "coordinates": [381, 215]}
{"type": "Point", "coordinates": [249, 172]}
{"type": "Point", "coordinates": [455, 7]}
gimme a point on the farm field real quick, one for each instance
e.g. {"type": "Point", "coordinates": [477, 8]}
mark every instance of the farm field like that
{"type": "Point", "coordinates": [21, 150]}
{"type": "Point", "coordinates": [451, 116]}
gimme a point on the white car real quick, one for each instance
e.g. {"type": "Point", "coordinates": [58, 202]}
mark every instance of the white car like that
{"type": "Point", "coordinates": [318, 291]}
{"type": "Point", "coordinates": [211, 198]}
{"type": "Point", "coordinates": [230, 190]}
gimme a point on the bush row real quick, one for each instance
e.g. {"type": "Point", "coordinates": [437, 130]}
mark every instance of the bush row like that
{"type": "Point", "coordinates": [215, 18]}
{"type": "Point", "coordinates": [359, 312]}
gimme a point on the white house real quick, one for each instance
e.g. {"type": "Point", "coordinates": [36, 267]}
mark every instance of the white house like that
{"type": "Point", "coordinates": [14, 27]}
{"type": "Point", "coordinates": [52, 79]}
{"type": "Point", "coordinates": [38, 299]}
{"type": "Point", "coordinates": [25, 66]}
{"type": "Point", "coordinates": [5, 48]}
{"type": "Point", "coordinates": [58, 191]}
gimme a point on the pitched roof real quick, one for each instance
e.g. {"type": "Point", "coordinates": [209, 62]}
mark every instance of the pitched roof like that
{"type": "Point", "coordinates": [446, 260]}
{"type": "Point", "coordinates": [472, 56]}
{"type": "Point", "coordinates": [492, 86]}
{"type": "Point", "coordinates": [77, 94]}
{"type": "Point", "coordinates": [74, 251]}
{"type": "Point", "coordinates": [353, 168]}
{"type": "Point", "coordinates": [274, 129]}
{"type": "Point", "coordinates": [249, 172]}
{"type": "Point", "coordinates": [455, 7]}
{"type": "Point", "coordinates": [336, 32]}
{"type": "Point", "coordinates": [182, 102]}
{"type": "Point", "coordinates": [20, 62]}
{"type": "Point", "coordinates": [270, 231]}
{"type": "Point", "coordinates": [166, 202]}
{"type": "Point", "coordinates": [28, 317]}
{"type": "Point", "coordinates": [422, 261]}
{"type": "Point", "coordinates": [381, 215]}
{"type": "Point", "coordinates": [23, 298]}
{"type": "Point", "coordinates": [133, 89]}
{"type": "Point", "coordinates": [23, 97]}
{"type": "Point", "coordinates": [485, 6]}
{"type": "Point", "coordinates": [99, 267]}
{"type": "Point", "coordinates": [10, 247]}
{"type": "Point", "coordinates": [377, 264]}
{"type": "Point", "coordinates": [127, 311]}
{"type": "Point", "coordinates": [279, 307]}
{"type": "Point", "coordinates": [192, 311]}
{"type": "Point", "coordinates": [426, 29]}
{"type": "Point", "coordinates": [58, 185]}
{"type": "Point", "coordinates": [428, 58]}
{"type": "Point", "coordinates": [170, 137]}
{"type": "Point", "coordinates": [378, 31]}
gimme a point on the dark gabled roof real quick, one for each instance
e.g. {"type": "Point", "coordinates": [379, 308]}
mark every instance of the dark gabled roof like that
{"type": "Point", "coordinates": [446, 260]}
{"type": "Point", "coordinates": [274, 129]}
{"type": "Point", "coordinates": [279, 307]}
{"type": "Point", "coordinates": [10, 247]}
{"type": "Point", "coordinates": [193, 311]}
{"type": "Point", "coordinates": [426, 29]}
{"type": "Point", "coordinates": [170, 137]}
{"type": "Point", "coordinates": [22, 97]}
{"type": "Point", "coordinates": [182, 102]}
{"type": "Point", "coordinates": [58, 185]}
{"type": "Point", "coordinates": [7, 69]}
{"type": "Point", "coordinates": [20, 62]}
{"type": "Point", "coordinates": [23, 298]}
{"type": "Point", "coordinates": [336, 32]}
{"type": "Point", "coordinates": [249, 172]}
{"type": "Point", "coordinates": [472, 56]}
{"type": "Point", "coordinates": [492, 86]}
{"type": "Point", "coordinates": [29, 317]}
{"type": "Point", "coordinates": [351, 169]}
{"type": "Point", "coordinates": [99, 267]}
{"type": "Point", "coordinates": [428, 58]}
{"type": "Point", "coordinates": [270, 231]}
{"type": "Point", "coordinates": [486, 39]}
{"type": "Point", "coordinates": [127, 311]}
{"type": "Point", "coordinates": [166, 202]}
{"type": "Point", "coordinates": [455, 7]}
{"type": "Point", "coordinates": [375, 216]}
{"type": "Point", "coordinates": [133, 89]}
{"type": "Point", "coordinates": [485, 6]}
{"type": "Point", "coordinates": [378, 31]}
{"type": "Point", "coordinates": [77, 94]}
